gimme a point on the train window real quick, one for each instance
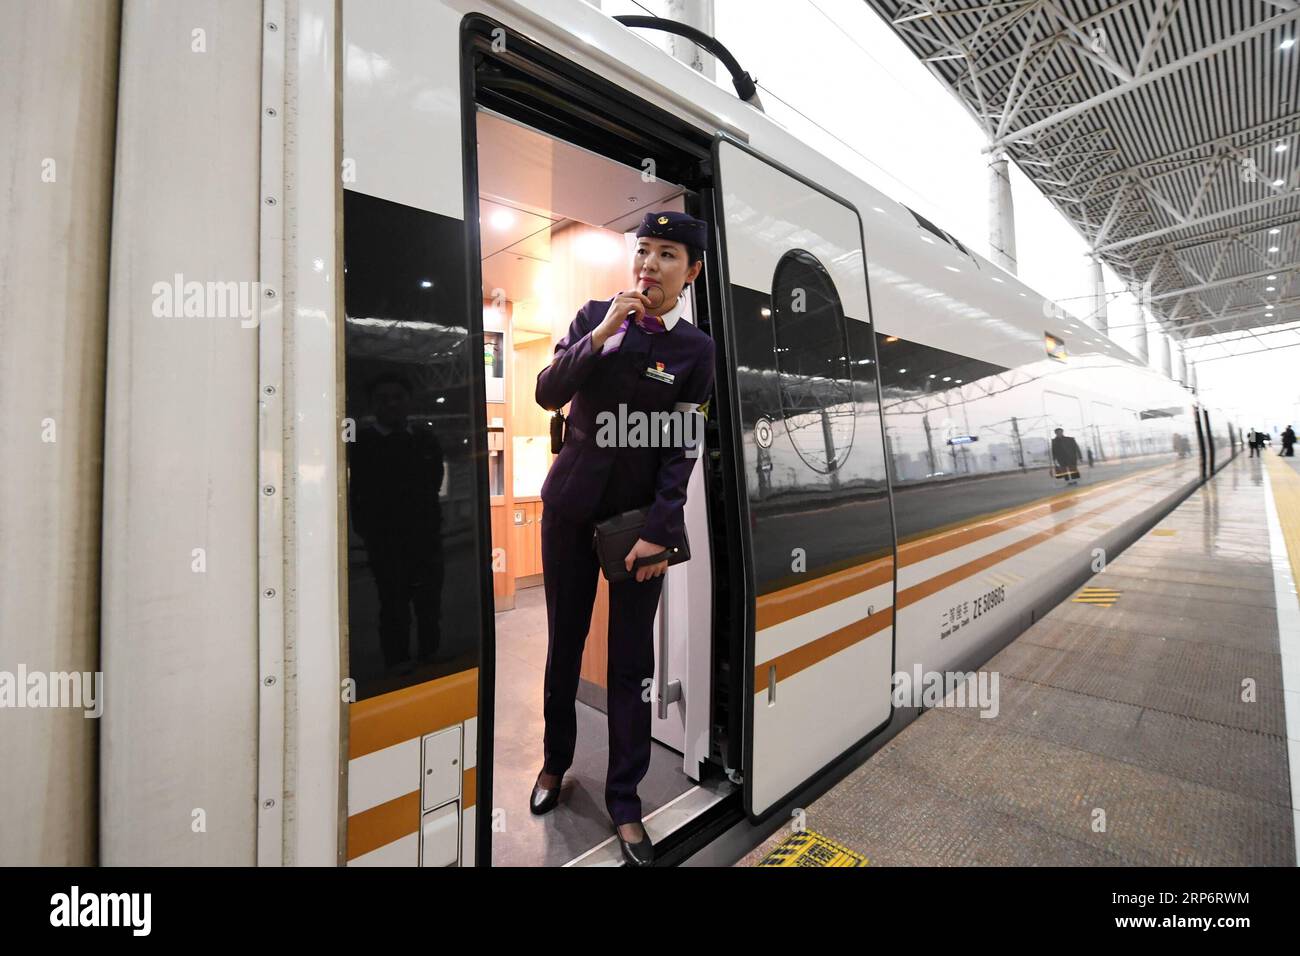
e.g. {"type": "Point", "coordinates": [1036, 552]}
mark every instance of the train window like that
{"type": "Point", "coordinates": [412, 494]}
{"type": "Point", "coordinates": [813, 363]}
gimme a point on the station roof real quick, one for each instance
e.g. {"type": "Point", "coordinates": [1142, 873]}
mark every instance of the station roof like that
{"type": "Point", "coordinates": [1166, 131]}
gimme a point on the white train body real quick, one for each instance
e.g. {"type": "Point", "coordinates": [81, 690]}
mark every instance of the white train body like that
{"type": "Point", "coordinates": [212, 590]}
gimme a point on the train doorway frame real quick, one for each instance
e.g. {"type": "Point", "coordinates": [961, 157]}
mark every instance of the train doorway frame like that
{"type": "Point", "coordinates": [513, 76]}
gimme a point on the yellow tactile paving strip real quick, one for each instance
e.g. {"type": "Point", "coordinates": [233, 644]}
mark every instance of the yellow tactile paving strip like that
{"type": "Point", "coordinates": [1286, 495]}
{"type": "Point", "coordinates": [808, 848]}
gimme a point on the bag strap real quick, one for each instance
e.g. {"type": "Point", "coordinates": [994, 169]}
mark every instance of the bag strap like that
{"type": "Point", "coordinates": [649, 559]}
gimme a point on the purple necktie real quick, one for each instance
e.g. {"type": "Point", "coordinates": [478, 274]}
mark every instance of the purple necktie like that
{"type": "Point", "coordinates": [651, 325]}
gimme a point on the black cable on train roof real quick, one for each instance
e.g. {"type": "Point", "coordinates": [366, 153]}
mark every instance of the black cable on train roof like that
{"type": "Point", "coordinates": [746, 88]}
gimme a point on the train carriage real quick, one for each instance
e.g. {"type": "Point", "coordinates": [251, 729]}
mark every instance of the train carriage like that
{"type": "Point", "coordinates": [421, 193]}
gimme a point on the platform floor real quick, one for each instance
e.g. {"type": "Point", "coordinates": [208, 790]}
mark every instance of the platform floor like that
{"type": "Point", "coordinates": [1122, 736]}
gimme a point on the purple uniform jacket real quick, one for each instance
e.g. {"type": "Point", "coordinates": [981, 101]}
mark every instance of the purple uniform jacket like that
{"type": "Point", "coordinates": [590, 482]}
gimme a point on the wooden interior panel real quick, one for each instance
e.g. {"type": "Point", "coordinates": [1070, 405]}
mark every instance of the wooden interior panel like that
{"type": "Point", "coordinates": [595, 656]}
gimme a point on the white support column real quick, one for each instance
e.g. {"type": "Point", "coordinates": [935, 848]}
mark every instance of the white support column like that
{"type": "Point", "coordinates": [1166, 355]}
{"type": "Point", "coordinates": [698, 14]}
{"type": "Point", "coordinates": [1002, 218]}
{"type": "Point", "coordinates": [1152, 336]}
{"type": "Point", "coordinates": [1100, 319]}
{"type": "Point", "coordinates": [1139, 332]}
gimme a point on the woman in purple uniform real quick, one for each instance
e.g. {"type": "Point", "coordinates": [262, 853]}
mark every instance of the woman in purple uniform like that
{"type": "Point", "coordinates": [628, 356]}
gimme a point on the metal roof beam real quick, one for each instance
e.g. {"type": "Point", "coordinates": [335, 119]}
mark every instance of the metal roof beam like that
{"type": "Point", "coordinates": [1087, 22]}
{"type": "Point", "coordinates": [1191, 223]}
{"type": "Point", "coordinates": [1007, 113]}
{"type": "Point", "coordinates": [946, 14]}
{"type": "Point", "coordinates": [1161, 17]}
{"type": "Point", "coordinates": [1257, 134]}
{"type": "Point", "coordinates": [1242, 313]}
{"type": "Point", "coordinates": [1232, 280]}
{"type": "Point", "coordinates": [1109, 221]}
{"type": "Point", "coordinates": [1139, 82]}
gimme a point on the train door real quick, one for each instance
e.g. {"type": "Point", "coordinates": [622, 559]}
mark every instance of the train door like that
{"type": "Point", "coordinates": [819, 641]}
{"type": "Point", "coordinates": [561, 166]}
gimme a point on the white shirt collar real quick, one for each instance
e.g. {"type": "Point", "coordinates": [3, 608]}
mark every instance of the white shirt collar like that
{"type": "Point", "coordinates": [670, 317]}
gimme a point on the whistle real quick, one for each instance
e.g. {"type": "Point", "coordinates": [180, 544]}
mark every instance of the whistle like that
{"type": "Point", "coordinates": [655, 294]}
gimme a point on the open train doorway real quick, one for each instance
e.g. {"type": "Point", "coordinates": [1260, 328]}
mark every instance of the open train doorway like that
{"type": "Point", "coordinates": [555, 228]}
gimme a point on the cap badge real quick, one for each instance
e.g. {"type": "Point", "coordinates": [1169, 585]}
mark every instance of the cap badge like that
{"type": "Point", "coordinates": [663, 220]}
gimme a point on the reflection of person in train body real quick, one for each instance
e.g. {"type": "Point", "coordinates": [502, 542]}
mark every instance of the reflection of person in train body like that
{"type": "Point", "coordinates": [1065, 457]}
{"type": "Point", "coordinates": [630, 350]}
{"type": "Point", "coordinates": [395, 473]}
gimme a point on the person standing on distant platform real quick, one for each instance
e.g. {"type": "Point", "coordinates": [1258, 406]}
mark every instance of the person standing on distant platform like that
{"type": "Point", "coordinates": [1288, 442]}
{"type": "Point", "coordinates": [1065, 456]}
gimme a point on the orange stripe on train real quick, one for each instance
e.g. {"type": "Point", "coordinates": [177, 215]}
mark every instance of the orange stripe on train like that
{"type": "Point", "coordinates": [379, 722]}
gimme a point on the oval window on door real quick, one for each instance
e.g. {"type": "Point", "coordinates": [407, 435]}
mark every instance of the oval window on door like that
{"type": "Point", "coordinates": [813, 363]}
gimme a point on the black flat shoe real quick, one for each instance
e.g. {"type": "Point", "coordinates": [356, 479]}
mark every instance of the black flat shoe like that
{"type": "Point", "coordinates": [543, 799]}
{"type": "Point", "coordinates": [641, 853]}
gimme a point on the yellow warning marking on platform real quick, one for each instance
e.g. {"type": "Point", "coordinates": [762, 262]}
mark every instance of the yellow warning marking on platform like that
{"type": "Point", "coordinates": [1164, 532]}
{"type": "Point", "coordinates": [1099, 597]}
{"type": "Point", "coordinates": [1285, 483]}
{"type": "Point", "coordinates": [807, 848]}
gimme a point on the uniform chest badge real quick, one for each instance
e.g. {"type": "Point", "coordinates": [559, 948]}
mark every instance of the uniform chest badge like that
{"type": "Point", "coordinates": [657, 372]}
